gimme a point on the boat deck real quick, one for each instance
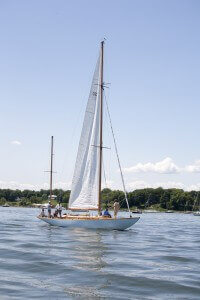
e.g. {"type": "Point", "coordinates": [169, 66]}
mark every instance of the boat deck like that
{"type": "Point", "coordinates": [72, 217]}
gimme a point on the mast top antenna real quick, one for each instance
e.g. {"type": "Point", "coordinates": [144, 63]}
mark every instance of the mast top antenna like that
{"type": "Point", "coordinates": [103, 40]}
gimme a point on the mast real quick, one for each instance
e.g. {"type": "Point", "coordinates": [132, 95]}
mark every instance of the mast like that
{"type": "Point", "coordinates": [101, 128]}
{"type": "Point", "coordinates": [51, 170]}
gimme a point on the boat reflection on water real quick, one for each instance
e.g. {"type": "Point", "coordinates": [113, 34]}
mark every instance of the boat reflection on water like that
{"type": "Point", "coordinates": [90, 249]}
{"type": "Point", "coordinates": [88, 253]}
{"type": "Point", "coordinates": [76, 257]}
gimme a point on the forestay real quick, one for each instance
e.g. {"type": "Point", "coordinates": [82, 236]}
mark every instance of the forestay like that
{"type": "Point", "coordinates": [84, 191]}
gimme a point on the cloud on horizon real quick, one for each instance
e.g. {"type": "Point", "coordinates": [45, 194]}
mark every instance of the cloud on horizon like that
{"type": "Point", "coordinates": [195, 168]}
{"type": "Point", "coordinates": [14, 185]}
{"type": "Point", "coordinates": [18, 143]}
{"type": "Point", "coordinates": [130, 186]}
{"type": "Point", "coordinates": [165, 166]}
{"type": "Point", "coordinates": [139, 184]}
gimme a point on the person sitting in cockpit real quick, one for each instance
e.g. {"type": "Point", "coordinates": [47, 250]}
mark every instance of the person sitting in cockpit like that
{"type": "Point", "coordinates": [107, 214]}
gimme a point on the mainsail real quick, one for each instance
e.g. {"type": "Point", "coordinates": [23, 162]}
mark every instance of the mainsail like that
{"type": "Point", "coordinates": [84, 191]}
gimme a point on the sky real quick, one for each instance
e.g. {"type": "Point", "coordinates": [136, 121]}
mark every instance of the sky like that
{"type": "Point", "coordinates": [48, 51]}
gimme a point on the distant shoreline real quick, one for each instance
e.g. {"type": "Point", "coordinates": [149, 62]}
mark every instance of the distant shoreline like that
{"type": "Point", "coordinates": [158, 199]}
{"type": "Point", "coordinates": [150, 210]}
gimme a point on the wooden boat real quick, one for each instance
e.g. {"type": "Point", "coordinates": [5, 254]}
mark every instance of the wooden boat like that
{"type": "Point", "coordinates": [196, 213]}
{"type": "Point", "coordinates": [86, 184]}
{"type": "Point", "coordinates": [90, 222]}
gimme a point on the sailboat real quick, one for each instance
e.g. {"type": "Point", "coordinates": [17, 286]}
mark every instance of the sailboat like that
{"type": "Point", "coordinates": [87, 179]}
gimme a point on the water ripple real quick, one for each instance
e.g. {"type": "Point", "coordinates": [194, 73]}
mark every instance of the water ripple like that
{"type": "Point", "coordinates": [158, 258]}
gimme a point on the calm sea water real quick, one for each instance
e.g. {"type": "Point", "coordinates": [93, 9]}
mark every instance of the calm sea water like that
{"type": "Point", "coordinates": [158, 258]}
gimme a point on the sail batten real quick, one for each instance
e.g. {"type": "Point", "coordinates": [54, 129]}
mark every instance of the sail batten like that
{"type": "Point", "coordinates": [84, 191]}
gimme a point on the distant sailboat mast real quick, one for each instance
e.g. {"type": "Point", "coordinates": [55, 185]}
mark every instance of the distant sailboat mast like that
{"type": "Point", "coordinates": [51, 170]}
{"type": "Point", "coordinates": [101, 128]}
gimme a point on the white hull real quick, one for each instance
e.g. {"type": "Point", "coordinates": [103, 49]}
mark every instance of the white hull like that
{"type": "Point", "coordinates": [108, 224]}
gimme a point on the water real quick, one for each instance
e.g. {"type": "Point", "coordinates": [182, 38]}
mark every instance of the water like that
{"type": "Point", "coordinates": [158, 258]}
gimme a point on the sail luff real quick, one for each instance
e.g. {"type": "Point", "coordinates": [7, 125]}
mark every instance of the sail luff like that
{"type": "Point", "coordinates": [84, 190]}
{"type": "Point", "coordinates": [101, 128]}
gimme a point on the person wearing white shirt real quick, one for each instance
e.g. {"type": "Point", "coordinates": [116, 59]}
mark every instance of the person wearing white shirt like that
{"type": "Point", "coordinates": [59, 209]}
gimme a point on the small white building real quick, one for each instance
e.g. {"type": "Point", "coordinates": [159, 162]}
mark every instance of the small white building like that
{"type": "Point", "coordinates": [53, 197]}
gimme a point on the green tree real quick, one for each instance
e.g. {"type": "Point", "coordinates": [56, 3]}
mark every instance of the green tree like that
{"type": "Point", "coordinates": [2, 201]}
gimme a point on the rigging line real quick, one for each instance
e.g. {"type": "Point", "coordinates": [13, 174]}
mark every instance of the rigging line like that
{"type": "Point", "coordinates": [104, 174]}
{"type": "Point", "coordinates": [121, 201]}
{"type": "Point", "coordinates": [109, 138]}
{"type": "Point", "coordinates": [115, 144]}
{"type": "Point", "coordinates": [196, 201]}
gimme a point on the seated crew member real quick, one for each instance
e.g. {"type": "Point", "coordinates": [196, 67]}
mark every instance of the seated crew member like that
{"type": "Point", "coordinates": [42, 214]}
{"type": "Point", "coordinates": [106, 213]}
{"type": "Point", "coordinates": [55, 213]}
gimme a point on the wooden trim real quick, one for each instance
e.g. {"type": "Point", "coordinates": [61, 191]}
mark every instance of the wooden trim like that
{"type": "Point", "coordinates": [86, 218]}
{"type": "Point", "coordinates": [82, 209]}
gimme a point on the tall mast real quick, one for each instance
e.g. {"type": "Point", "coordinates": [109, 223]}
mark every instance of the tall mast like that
{"type": "Point", "coordinates": [101, 128]}
{"type": "Point", "coordinates": [51, 170]}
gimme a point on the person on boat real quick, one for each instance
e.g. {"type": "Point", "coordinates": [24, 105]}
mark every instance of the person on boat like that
{"type": "Point", "coordinates": [55, 213]}
{"type": "Point", "coordinates": [116, 207]}
{"type": "Point", "coordinates": [59, 209]}
{"type": "Point", "coordinates": [42, 214]}
{"type": "Point", "coordinates": [106, 213]}
{"type": "Point", "coordinates": [49, 209]}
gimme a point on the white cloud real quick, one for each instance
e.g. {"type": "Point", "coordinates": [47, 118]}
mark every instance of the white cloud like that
{"type": "Point", "coordinates": [15, 185]}
{"type": "Point", "coordinates": [27, 186]}
{"type": "Point", "coordinates": [193, 187]}
{"type": "Point", "coordinates": [62, 185]}
{"type": "Point", "coordinates": [195, 168]}
{"type": "Point", "coordinates": [166, 166]}
{"type": "Point", "coordinates": [138, 184]}
{"type": "Point", "coordinates": [110, 184]}
{"type": "Point", "coordinates": [18, 143]}
{"type": "Point", "coordinates": [166, 185]}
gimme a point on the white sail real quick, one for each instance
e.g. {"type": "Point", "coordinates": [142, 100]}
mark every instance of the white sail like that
{"type": "Point", "coordinates": [84, 191]}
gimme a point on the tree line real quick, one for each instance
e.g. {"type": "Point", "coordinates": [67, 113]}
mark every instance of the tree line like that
{"type": "Point", "coordinates": [159, 198]}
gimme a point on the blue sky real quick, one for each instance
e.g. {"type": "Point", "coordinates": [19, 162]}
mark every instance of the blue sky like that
{"type": "Point", "coordinates": [47, 56]}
